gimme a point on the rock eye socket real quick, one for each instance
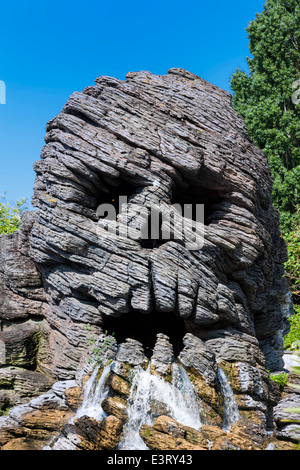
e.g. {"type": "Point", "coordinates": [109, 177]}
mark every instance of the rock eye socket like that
{"type": "Point", "coordinates": [114, 196]}
{"type": "Point", "coordinates": [190, 198]}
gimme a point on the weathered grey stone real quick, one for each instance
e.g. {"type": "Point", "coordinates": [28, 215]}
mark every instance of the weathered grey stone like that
{"type": "Point", "coordinates": [234, 346]}
{"type": "Point", "coordinates": [21, 344]}
{"type": "Point", "coordinates": [281, 413]}
{"type": "Point", "coordinates": [38, 419]}
{"type": "Point", "coordinates": [290, 432]}
{"type": "Point", "coordinates": [93, 129]}
{"type": "Point", "coordinates": [163, 356]}
{"type": "Point", "coordinates": [197, 356]}
{"type": "Point", "coordinates": [131, 352]}
{"type": "Point", "coordinates": [156, 141]}
{"type": "Point", "coordinates": [157, 440]}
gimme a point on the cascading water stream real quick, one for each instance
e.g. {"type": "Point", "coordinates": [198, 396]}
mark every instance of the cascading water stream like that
{"type": "Point", "coordinates": [152, 396]}
{"type": "Point", "coordinates": [95, 392]}
{"type": "Point", "coordinates": [177, 397]}
{"type": "Point", "coordinates": [231, 411]}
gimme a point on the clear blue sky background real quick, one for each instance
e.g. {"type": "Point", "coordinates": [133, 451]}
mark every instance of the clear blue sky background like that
{"type": "Point", "coordinates": [50, 49]}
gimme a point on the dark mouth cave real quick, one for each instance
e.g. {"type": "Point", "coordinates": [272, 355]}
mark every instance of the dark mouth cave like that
{"type": "Point", "coordinates": [145, 327]}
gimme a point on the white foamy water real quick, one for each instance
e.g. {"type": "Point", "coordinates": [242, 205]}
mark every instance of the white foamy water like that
{"type": "Point", "coordinates": [152, 396]}
{"type": "Point", "coordinates": [231, 412]}
{"type": "Point", "coordinates": [94, 393]}
{"type": "Point", "coordinates": [177, 397]}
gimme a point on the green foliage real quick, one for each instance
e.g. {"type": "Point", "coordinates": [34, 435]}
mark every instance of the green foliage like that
{"type": "Point", "coordinates": [4, 411]}
{"type": "Point", "coordinates": [292, 266]}
{"type": "Point", "coordinates": [292, 339]}
{"type": "Point", "coordinates": [292, 270]}
{"type": "Point", "coordinates": [10, 215]}
{"type": "Point", "coordinates": [264, 99]}
{"type": "Point", "coordinates": [280, 379]}
{"type": "Point", "coordinates": [98, 350]}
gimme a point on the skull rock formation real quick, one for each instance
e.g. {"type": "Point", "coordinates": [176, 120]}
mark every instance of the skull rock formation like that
{"type": "Point", "coordinates": [133, 149]}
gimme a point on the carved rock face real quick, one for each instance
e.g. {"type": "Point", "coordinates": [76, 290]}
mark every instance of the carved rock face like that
{"type": "Point", "coordinates": [158, 141]}
{"type": "Point", "coordinates": [106, 250]}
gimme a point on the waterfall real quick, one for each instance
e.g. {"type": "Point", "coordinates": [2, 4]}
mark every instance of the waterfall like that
{"type": "Point", "coordinates": [186, 408]}
{"type": "Point", "coordinates": [177, 399]}
{"type": "Point", "coordinates": [152, 396]}
{"type": "Point", "coordinates": [231, 411]}
{"type": "Point", "coordinates": [94, 393]}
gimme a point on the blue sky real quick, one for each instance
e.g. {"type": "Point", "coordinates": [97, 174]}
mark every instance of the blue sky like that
{"type": "Point", "coordinates": [50, 49]}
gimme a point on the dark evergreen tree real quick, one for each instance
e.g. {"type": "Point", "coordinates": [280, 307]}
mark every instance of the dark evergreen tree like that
{"type": "Point", "coordinates": [268, 98]}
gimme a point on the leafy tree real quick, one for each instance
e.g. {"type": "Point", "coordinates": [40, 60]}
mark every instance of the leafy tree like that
{"type": "Point", "coordinates": [263, 97]}
{"type": "Point", "coordinates": [292, 266]}
{"type": "Point", "coordinates": [292, 272]}
{"type": "Point", "coordinates": [267, 97]}
{"type": "Point", "coordinates": [10, 215]}
{"type": "Point", "coordinates": [292, 339]}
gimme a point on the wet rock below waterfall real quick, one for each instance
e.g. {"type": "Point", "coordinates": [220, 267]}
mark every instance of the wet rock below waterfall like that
{"type": "Point", "coordinates": [168, 434]}
{"type": "Point", "coordinates": [131, 352]}
{"type": "Point", "coordinates": [30, 428]}
{"type": "Point", "coordinates": [88, 433]}
{"type": "Point", "coordinates": [104, 434]}
{"type": "Point", "coordinates": [147, 144]}
{"type": "Point", "coordinates": [116, 406]}
{"type": "Point", "coordinates": [243, 435]}
{"type": "Point", "coordinates": [179, 398]}
{"type": "Point", "coordinates": [119, 385]}
{"type": "Point", "coordinates": [74, 397]}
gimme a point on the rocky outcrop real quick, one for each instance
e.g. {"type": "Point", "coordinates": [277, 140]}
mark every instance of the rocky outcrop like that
{"type": "Point", "coordinates": [120, 242]}
{"type": "Point", "coordinates": [162, 357]}
{"type": "Point", "coordinates": [25, 357]}
{"type": "Point", "coordinates": [158, 140]}
{"type": "Point", "coordinates": [33, 425]}
{"type": "Point", "coordinates": [167, 434]}
{"type": "Point", "coordinates": [201, 366]}
{"type": "Point", "coordinates": [285, 415]}
{"type": "Point", "coordinates": [51, 420]}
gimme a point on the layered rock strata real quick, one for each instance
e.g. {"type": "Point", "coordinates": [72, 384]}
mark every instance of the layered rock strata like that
{"type": "Point", "coordinates": [117, 158]}
{"type": "Point", "coordinates": [52, 421]}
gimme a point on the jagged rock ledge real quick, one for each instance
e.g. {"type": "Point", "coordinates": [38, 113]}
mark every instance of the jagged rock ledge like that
{"type": "Point", "coordinates": [52, 422]}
